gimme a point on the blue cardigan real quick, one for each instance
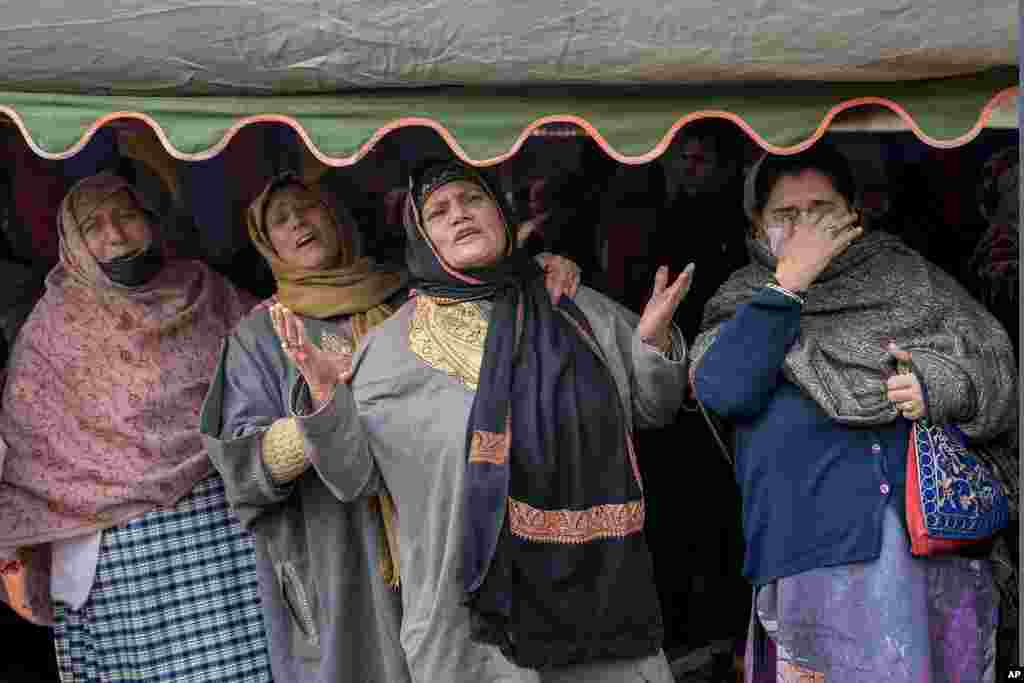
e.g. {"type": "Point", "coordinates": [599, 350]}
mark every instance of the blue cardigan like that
{"type": "Point", "coordinates": [814, 490]}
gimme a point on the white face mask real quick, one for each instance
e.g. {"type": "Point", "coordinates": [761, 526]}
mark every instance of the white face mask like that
{"type": "Point", "coordinates": [776, 235]}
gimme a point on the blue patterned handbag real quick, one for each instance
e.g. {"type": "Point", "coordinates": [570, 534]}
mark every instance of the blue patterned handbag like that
{"type": "Point", "coordinates": [953, 498]}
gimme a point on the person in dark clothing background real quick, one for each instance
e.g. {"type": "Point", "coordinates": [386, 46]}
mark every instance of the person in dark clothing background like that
{"type": "Point", "coordinates": [23, 288]}
{"type": "Point", "coordinates": [564, 210]}
{"type": "Point", "coordinates": [703, 220]}
{"type": "Point", "coordinates": [630, 210]}
{"type": "Point", "coordinates": [992, 276]}
{"type": "Point", "coordinates": [705, 600]}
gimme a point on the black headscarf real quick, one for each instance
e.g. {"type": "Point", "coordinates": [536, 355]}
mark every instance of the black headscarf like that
{"type": "Point", "coordinates": [555, 567]}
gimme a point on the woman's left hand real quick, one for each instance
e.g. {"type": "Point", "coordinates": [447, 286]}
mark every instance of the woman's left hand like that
{"type": "Point", "coordinates": [561, 276]}
{"type": "Point", "coordinates": [904, 390]}
{"type": "Point", "coordinates": [656, 321]}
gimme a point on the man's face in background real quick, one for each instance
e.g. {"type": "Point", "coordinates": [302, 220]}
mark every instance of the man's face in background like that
{"type": "Point", "coordinates": [698, 162]}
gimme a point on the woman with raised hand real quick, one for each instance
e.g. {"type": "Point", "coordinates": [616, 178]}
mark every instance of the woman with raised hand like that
{"type": "Point", "coordinates": [501, 424]}
{"type": "Point", "coordinates": [329, 566]}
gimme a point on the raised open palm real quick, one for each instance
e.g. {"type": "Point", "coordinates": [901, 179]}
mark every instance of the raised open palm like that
{"type": "Point", "coordinates": [321, 369]}
{"type": "Point", "coordinates": [656, 320]}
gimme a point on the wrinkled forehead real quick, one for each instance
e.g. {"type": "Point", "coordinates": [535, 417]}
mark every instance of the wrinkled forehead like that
{"type": "Point", "coordinates": [122, 199]}
{"type": "Point", "coordinates": [802, 186]}
{"type": "Point", "coordinates": [450, 190]}
{"type": "Point", "coordinates": [288, 194]}
{"type": "Point", "coordinates": [91, 204]}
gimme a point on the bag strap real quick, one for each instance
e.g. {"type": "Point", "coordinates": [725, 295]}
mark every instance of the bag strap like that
{"type": "Point", "coordinates": [718, 437]}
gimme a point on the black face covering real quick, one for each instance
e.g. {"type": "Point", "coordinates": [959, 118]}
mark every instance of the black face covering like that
{"type": "Point", "coordinates": [135, 269]}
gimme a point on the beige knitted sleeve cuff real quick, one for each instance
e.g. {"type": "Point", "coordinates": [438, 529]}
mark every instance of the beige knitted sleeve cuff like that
{"type": "Point", "coordinates": [282, 451]}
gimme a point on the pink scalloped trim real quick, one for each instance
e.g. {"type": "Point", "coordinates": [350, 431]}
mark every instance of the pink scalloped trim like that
{"type": "Point", "coordinates": [998, 100]}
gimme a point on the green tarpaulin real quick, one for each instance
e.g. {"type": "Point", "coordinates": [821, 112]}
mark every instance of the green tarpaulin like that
{"type": "Point", "coordinates": [486, 124]}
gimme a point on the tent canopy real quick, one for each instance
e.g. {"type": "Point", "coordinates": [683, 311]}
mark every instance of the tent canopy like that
{"type": "Point", "coordinates": [629, 71]}
{"type": "Point", "coordinates": [236, 47]}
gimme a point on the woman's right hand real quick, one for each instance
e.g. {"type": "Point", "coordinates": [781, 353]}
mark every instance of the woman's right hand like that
{"type": "Point", "coordinates": [812, 246]}
{"type": "Point", "coordinates": [320, 369]}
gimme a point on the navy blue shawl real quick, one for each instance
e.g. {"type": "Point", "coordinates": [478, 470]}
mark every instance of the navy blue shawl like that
{"type": "Point", "coordinates": [555, 567]}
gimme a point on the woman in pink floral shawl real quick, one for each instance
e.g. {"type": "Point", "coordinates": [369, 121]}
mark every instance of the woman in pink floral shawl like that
{"type": "Point", "coordinates": [113, 526]}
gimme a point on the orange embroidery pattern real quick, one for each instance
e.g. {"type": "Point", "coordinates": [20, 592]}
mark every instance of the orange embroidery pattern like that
{"type": "Point", "coordinates": [575, 526]}
{"type": "Point", "coordinates": [788, 672]}
{"type": "Point", "coordinates": [488, 447]}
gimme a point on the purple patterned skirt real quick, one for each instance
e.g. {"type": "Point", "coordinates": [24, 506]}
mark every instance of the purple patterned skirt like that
{"type": "Point", "coordinates": [899, 618]}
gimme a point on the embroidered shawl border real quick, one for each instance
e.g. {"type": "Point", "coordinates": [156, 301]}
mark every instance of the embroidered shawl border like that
{"type": "Point", "coordinates": [575, 526]}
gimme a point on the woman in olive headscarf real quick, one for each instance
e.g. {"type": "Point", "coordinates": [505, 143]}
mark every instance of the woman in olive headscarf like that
{"type": "Point", "coordinates": [328, 568]}
{"type": "Point", "coordinates": [113, 526]}
{"type": "Point", "coordinates": [501, 424]}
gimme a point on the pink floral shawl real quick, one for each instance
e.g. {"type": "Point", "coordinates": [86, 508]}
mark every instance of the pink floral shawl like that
{"type": "Point", "coordinates": [101, 407]}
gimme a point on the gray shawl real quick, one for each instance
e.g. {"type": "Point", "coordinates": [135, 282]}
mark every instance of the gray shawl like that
{"type": "Point", "coordinates": [876, 291]}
